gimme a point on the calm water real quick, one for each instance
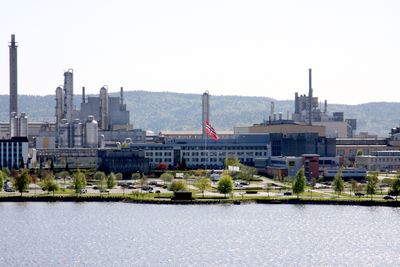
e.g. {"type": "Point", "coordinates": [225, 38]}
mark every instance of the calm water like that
{"type": "Point", "coordinates": [121, 234]}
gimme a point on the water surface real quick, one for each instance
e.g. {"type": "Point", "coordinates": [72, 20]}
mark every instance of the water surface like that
{"type": "Point", "coordinates": [125, 234]}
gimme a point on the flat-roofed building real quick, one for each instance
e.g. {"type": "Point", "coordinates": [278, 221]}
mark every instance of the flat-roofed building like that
{"type": "Point", "coordinates": [284, 128]}
{"type": "Point", "coordinates": [13, 152]}
{"type": "Point", "coordinates": [380, 161]}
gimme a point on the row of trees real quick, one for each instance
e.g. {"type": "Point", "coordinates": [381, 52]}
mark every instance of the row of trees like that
{"type": "Point", "coordinates": [300, 182]}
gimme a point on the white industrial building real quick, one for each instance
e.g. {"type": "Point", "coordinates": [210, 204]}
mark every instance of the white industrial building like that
{"type": "Point", "coordinates": [388, 160]}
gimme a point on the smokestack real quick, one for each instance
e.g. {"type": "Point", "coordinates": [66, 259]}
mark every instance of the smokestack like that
{"type": "Point", "coordinates": [68, 95]}
{"type": "Point", "coordinates": [272, 109]}
{"type": "Point", "coordinates": [13, 76]}
{"type": "Point", "coordinates": [205, 114]}
{"type": "Point", "coordinates": [122, 95]}
{"type": "Point", "coordinates": [326, 106]}
{"type": "Point", "coordinates": [83, 94]}
{"type": "Point", "coordinates": [296, 103]}
{"type": "Point", "coordinates": [310, 96]}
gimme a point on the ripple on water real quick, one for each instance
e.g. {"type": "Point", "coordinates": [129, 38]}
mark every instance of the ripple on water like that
{"type": "Point", "coordinates": [122, 234]}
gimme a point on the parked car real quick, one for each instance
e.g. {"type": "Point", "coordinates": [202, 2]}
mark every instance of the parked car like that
{"type": "Point", "coordinates": [147, 188]}
{"type": "Point", "coordinates": [244, 183]}
{"type": "Point", "coordinates": [358, 194]}
{"type": "Point", "coordinates": [131, 187]}
{"type": "Point", "coordinates": [287, 193]}
{"type": "Point", "coordinates": [83, 191]}
{"type": "Point", "coordinates": [8, 189]}
{"type": "Point", "coordinates": [388, 197]}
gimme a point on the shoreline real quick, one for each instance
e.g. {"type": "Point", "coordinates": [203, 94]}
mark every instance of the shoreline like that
{"type": "Point", "coordinates": [167, 201]}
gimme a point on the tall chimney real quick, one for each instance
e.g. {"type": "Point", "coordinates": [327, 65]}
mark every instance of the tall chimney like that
{"type": "Point", "coordinates": [13, 76]}
{"type": "Point", "coordinates": [310, 96]}
{"type": "Point", "coordinates": [326, 106]}
{"type": "Point", "coordinates": [296, 103]}
{"type": "Point", "coordinates": [83, 94]}
{"type": "Point", "coordinates": [272, 109]}
{"type": "Point", "coordinates": [68, 95]}
{"type": "Point", "coordinates": [122, 96]}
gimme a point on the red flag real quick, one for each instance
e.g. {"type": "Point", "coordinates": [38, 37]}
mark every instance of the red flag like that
{"type": "Point", "coordinates": [211, 132]}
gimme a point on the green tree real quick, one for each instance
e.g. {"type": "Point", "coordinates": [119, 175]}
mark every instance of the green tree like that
{"type": "Point", "coordinates": [99, 176]}
{"type": "Point", "coordinates": [21, 181]}
{"type": "Point", "coordinates": [354, 186]}
{"type": "Point", "coordinates": [299, 183]}
{"type": "Point", "coordinates": [338, 183]}
{"type": "Point", "coordinates": [49, 184]}
{"type": "Point", "coordinates": [2, 179]}
{"type": "Point", "coordinates": [231, 161]}
{"type": "Point", "coordinates": [203, 184]}
{"type": "Point", "coordinates": [225, 185]}
{"type": "Point", "coordinates": [119, 176]}
{"type": "Point", "coordinates": [177, 186]}
{"type": "Point", "coordinates": [395, 188]}
{"type": "Point", "coordinates": [79, 181]}
{"type": "Point", "coordinates": [166, 177]}
{"type": "Point", "coordinates": [372, 183]}
{"type": "Point", "coordinates": [135, 176]}
{"type": "Point", "coordinates": [111, 181]}
{"type": "Point", "coordinates": [102, 184]}
{"type": "Point", "coordinates": [7, 172]}
{"type": "Point", "coordinates": [143, 181]}
{"type": "Point", "coordinates": [247, 173]}
{"type": "Point", "coordinates": [64, 175]}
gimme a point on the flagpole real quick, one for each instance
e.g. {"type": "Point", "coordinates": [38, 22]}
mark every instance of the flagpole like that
{"type": "Point", "coordinates": [205, 151]}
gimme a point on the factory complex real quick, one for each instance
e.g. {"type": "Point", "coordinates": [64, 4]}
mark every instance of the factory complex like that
{"type": "Point", "coordinates": [98, 135]}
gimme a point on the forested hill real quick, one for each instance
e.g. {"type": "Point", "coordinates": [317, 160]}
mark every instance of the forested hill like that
{"type": "Point", "coordinates": [174, 111]}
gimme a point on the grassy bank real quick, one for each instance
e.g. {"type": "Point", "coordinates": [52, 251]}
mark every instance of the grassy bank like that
{"type": "Point", "coordinates": [157, 199]}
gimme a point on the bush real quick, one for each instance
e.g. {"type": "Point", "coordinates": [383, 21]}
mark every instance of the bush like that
{"type": "Point", "coordinates": [177, 186]}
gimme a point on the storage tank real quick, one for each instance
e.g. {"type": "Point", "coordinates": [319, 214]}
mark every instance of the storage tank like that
{"type": "Point", "coordinates": [13, 124]}
{"type": "Point", "coordinates": [78, 133]}
{"type": "Point", "coordinates": [23, 125]}
{"type": "Point", "coordinates": [92, 132]}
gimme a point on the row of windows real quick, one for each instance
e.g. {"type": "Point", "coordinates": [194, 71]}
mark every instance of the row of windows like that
{"type": "Point", "coordinates": [167, 160]}
{"type": "Point", "coordinates": [225, 148]}
{"type": "Point", "coordinates": [15, 154]}
{"type": "Point", "coordinates": [385, 159]}
{"type": "Point", "coordinates": [248, 153]}
{"type": "Point", "coordinates": [158, 154]}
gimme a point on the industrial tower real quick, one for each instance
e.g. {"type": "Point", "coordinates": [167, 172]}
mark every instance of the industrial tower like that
{"type": "Point", "coordinates": [13, 76]}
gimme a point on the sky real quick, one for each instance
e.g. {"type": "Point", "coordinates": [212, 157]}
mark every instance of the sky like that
{"type": "Point", "coordinates": [228, 47]}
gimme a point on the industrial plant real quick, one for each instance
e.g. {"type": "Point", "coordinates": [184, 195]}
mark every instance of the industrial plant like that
{"type": "Point", "coordinates": [98, 135]}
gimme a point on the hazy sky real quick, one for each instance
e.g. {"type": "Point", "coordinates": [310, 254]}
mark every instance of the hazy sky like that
{"type": "Point", "coordinates": [258, 48]}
